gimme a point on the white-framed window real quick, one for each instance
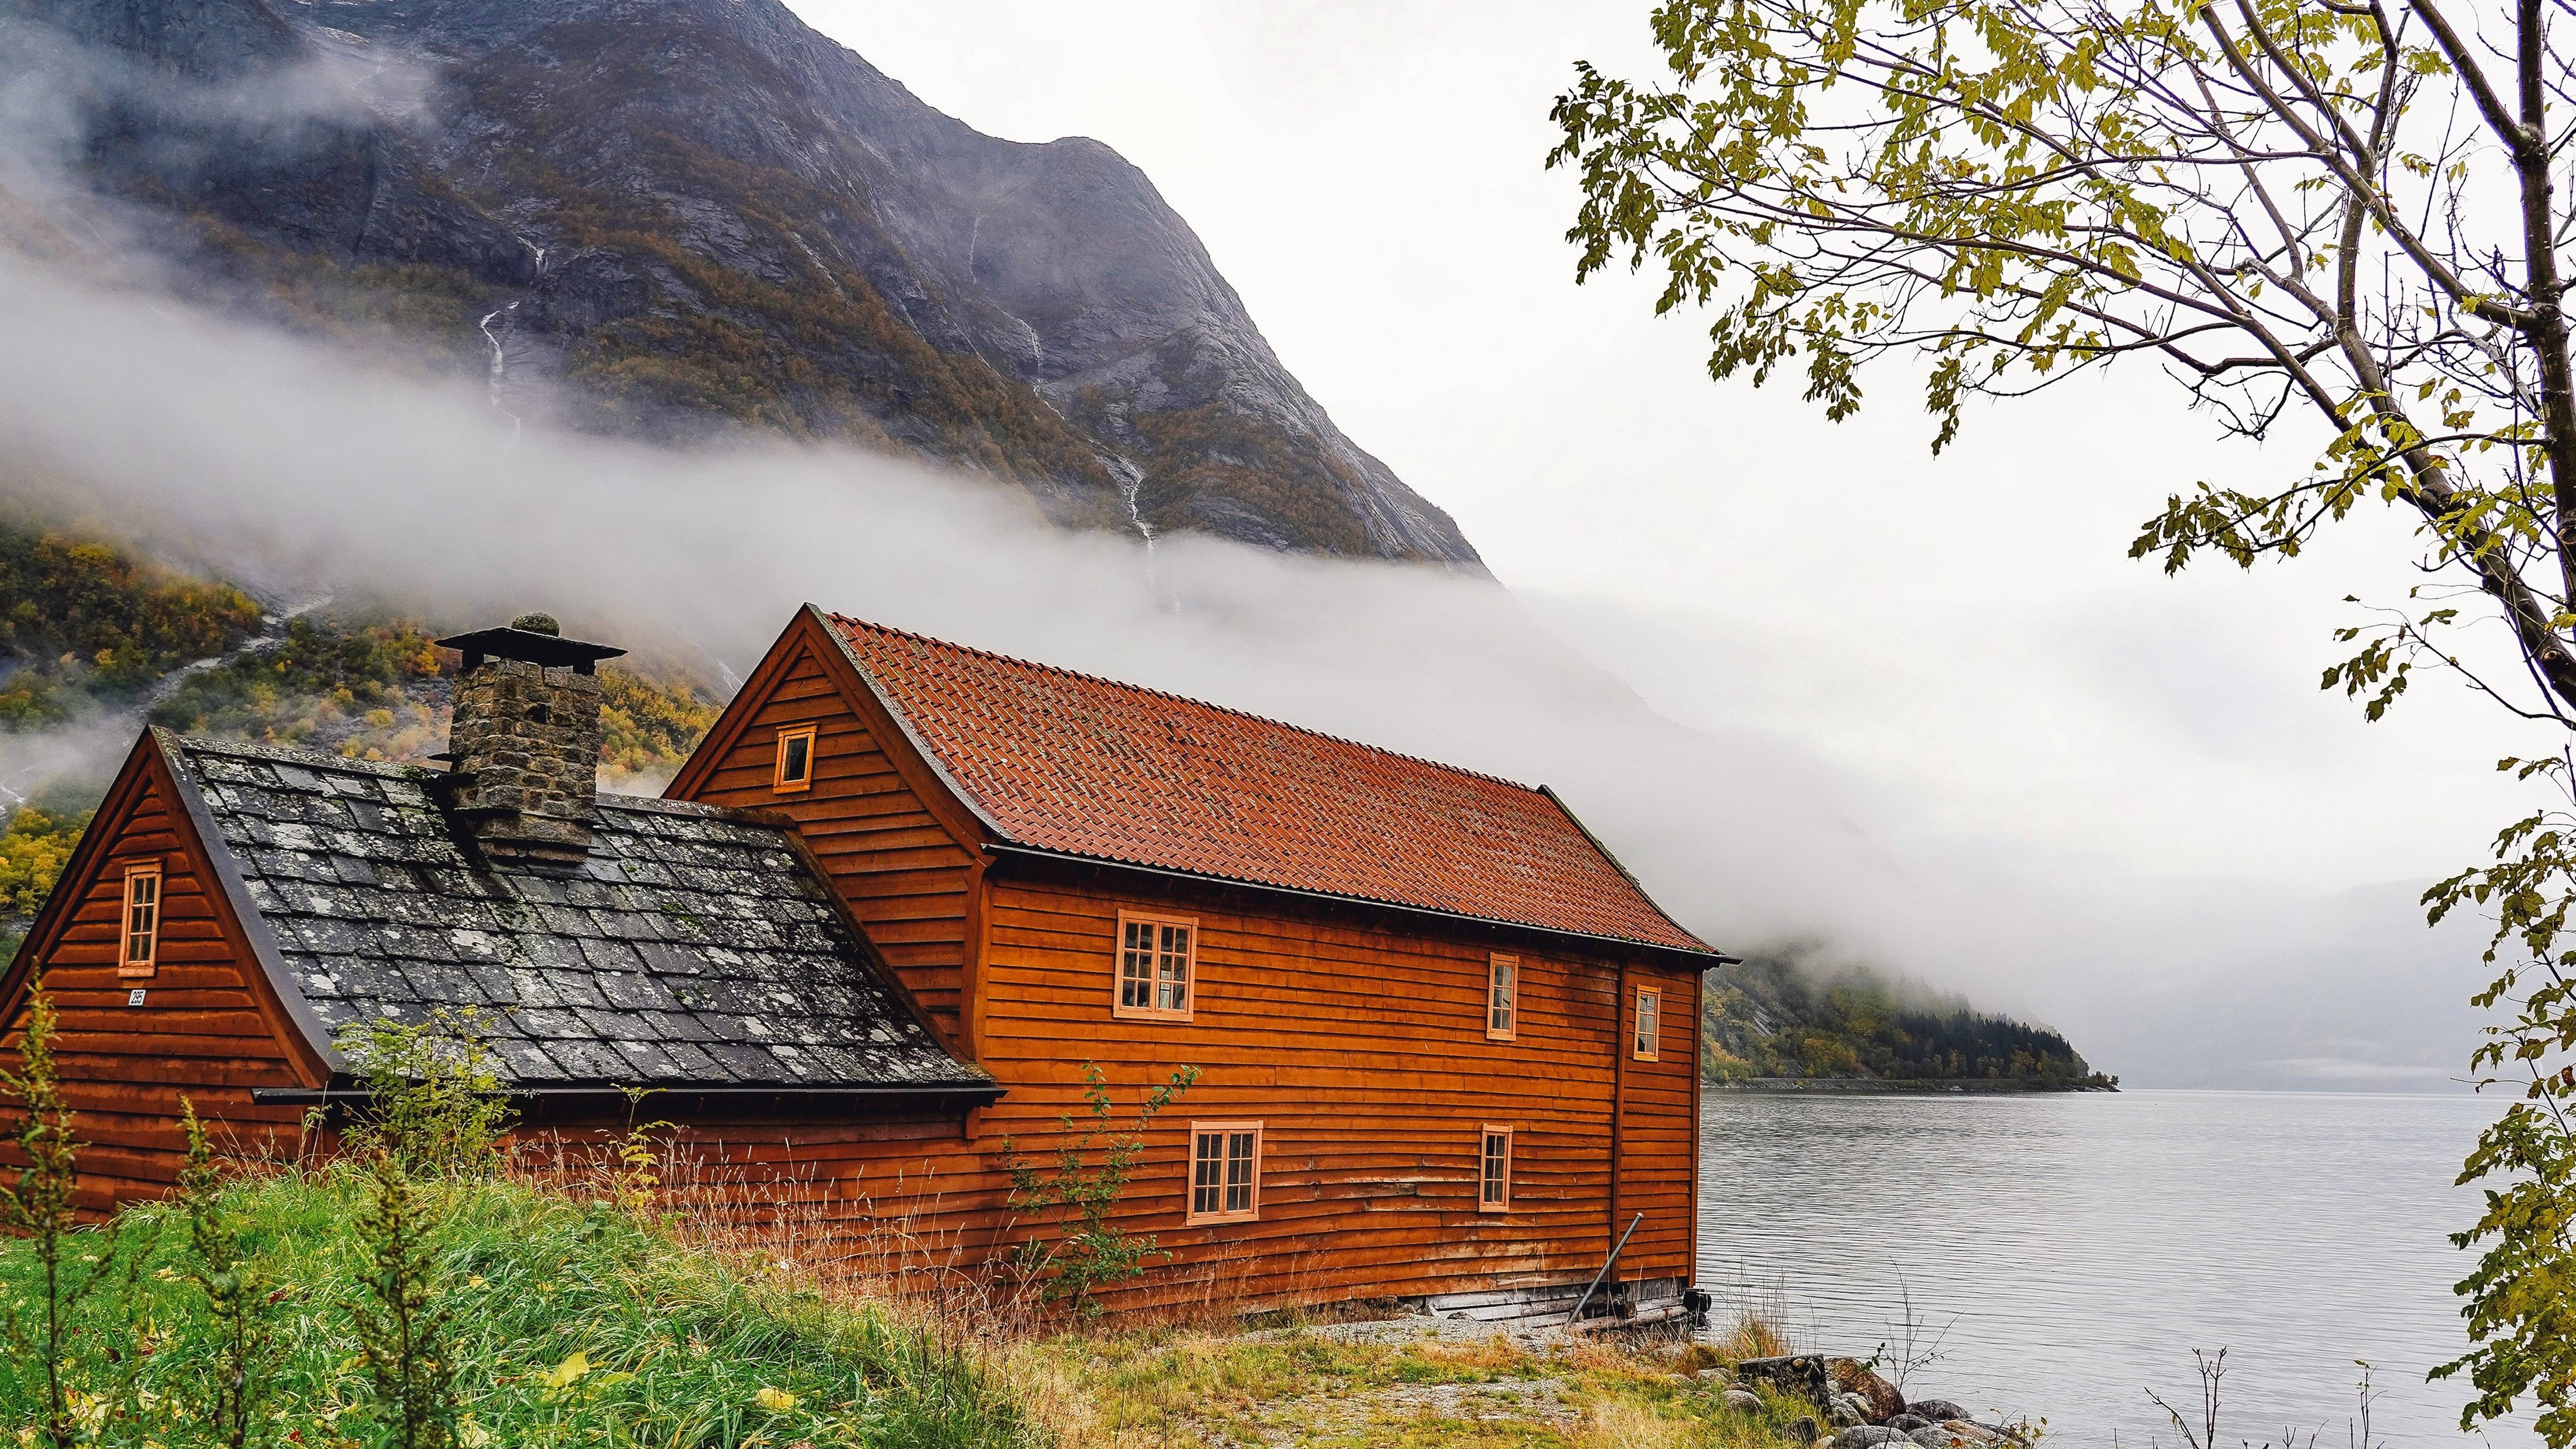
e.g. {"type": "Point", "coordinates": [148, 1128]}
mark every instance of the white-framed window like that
{"type": "Point", "coordinates": [1494, 1170]}
{"type": "Point", "coordinates": [1650, 1010]}
{"type": "Point", "coordinates": [1158, 967]}
{"type": "Point", "coordinates": [141, 951]}
{"type": "Point", "coordinates": [1503, 998]}
{"type": "Point", "coordinates": [1225, 1172]}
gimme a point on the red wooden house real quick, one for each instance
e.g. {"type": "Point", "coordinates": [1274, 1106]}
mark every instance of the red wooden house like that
{"type": "Point", "coordinates": [893, 906]}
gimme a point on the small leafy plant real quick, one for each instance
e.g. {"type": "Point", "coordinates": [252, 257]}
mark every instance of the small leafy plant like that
{"type": "Point", "coordinates": [1078, 1194]}
{"type": "Point", "coordinates": [635, 1183]}
{"type": "Point", "coordinates": [235, 1292]}
{"type": "Point", "coordinates": [403, 1327]}
{"type": "Point", "coordinates": [434, 1099]}
{"type": "Point", "coordinates": [434, 1110]}
{"type": "Point", "coordinates": [42, 1207]}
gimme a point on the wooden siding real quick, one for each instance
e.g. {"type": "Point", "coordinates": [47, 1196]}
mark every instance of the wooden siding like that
{"type": "Point", "coordinates": [205, 1030]}
{"type": "Point", "coordinates": [899, 866]}
{"type": "Point", "coordinates": [1359, 1044]}
{"type": "Point", "coordinates": [1658, 1124]}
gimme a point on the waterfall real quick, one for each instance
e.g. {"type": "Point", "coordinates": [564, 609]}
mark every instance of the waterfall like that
{"type": "Point", "coordinates": [496, 372]}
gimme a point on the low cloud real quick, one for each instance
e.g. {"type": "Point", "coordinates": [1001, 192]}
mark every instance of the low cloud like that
{"type": "Point", "coordinates": [2346, 1071]}
{"type": "Point", "coordinates": [291, 465]}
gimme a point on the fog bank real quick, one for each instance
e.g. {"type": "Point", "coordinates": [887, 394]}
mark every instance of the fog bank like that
{"type": "Point", "coordinates": [290, 465]}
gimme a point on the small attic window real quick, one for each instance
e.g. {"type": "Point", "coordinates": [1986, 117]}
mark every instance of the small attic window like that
{"type": "Point", "coordinates": [1502, 997]}
{"type": "Point", "coordinates": [142, 948]}
{"type": "Point", "coordinates": [795, 760]}
{"type": "Point", "coordinates": [1650, 1010]}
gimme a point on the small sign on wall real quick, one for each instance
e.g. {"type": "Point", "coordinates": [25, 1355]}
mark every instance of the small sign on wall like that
{"type": "Point", "coordinates": [134, 997]}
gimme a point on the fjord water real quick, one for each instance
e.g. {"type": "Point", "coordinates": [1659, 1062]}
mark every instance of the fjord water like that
{"type": "Point", "coordinates": [2078, 1247]}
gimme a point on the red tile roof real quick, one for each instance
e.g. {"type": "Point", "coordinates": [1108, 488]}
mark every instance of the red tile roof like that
{"type": "Point", "coordinates": [1061, 761]}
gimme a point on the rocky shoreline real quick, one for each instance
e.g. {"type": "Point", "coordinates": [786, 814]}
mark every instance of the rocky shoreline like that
{"type": "Point", "coordinates": [1867, 1411]}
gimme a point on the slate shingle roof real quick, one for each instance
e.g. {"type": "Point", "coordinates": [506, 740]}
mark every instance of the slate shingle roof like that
{"type": "Point", "coordinates": [694, 950]}
{"type": "Point", "coordinates": [1068, 762]}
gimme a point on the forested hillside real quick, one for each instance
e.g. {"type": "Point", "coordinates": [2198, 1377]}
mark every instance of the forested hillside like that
{"type": "Point", "coordinates": [96, 641]}
{"type": "Point", "coordinates": [1787, 1015]}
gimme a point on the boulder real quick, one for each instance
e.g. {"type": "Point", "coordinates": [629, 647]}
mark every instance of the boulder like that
{"type": "Point", "coordinates": [1938, 1436]}
{"type": "Point", "coordinates": [1870, 1436]}
{"type": "Point", "coordinates": [1939, 1411]}
{"type": "Point", "coordinates": [1908, 1422]}
{"type": "Point", "coordinates": [1741, 1402]}
{"type": "Point", "coordinates": [1848, 1410]}
{"type": "Point", "coordinates": [1975, 1433]}
{"type": "Point", "coordinates": [1851, 1376]}
{"type": "Point", "coordinates": [1802, 1374]}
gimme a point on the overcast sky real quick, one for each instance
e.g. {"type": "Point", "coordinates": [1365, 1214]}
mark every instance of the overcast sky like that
{"type": "Point", "coordinates": [1963, 639]}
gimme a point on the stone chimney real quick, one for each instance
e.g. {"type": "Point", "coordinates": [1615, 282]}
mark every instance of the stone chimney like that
{"type": "Point", "coordinates": [523, 746]}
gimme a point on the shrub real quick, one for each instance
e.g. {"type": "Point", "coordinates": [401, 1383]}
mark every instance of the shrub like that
{"type": "Point", "coordinates": [433, 1095]}
{"type": "Point", "coordinates": [1078, 1195]}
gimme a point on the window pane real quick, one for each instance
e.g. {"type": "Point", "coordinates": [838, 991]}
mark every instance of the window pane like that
{"type": "Point", "coordinates": [1172, 988]}
{"type": "Point", "coordinates": [797, 746]}
{"type": "Point", "coordinates": [1136, 966]}
{"type": "Point", "coordinates": [1207, 1166]}
{"type": "Point", "coordinates": [1497, 1162]}
{"type": "Point", "coordinates": [1499, 1015]}
{"type": "Point", "coordinates": [1238, 1172]}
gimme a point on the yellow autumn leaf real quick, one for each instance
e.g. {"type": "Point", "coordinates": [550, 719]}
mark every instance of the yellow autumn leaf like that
{"type": "Point", "coordinates": [776, 1401]}
{"type": "Point", "coordinates": [562, 1374]}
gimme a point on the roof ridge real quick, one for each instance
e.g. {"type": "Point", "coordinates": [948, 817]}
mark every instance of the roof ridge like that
{"type": "Point", "coordinates": [399, 769]}
{"type": "Point", "coordinates": [1147, 689]}
{"type": "Point", "coordinates": [294, 755]}
{"type": "Point", "coordinates": [659, 805]}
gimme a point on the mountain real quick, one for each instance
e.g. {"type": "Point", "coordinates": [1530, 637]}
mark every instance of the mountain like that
{"type": "Point", "coordinates": [670, 218]}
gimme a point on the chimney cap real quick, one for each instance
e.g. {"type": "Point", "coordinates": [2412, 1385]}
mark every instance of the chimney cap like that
{"type": "Point", "coordinates": [545, 647]}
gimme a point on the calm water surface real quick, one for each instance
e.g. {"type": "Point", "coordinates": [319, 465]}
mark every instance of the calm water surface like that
{"type": "Point", "coordinates": [2079, 1247]}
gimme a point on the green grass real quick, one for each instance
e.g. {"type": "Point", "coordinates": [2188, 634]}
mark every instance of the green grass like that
{"type": "Point", "coordinates": [677, 1346]}
{"type": "Point", "coordinates": [1190, 1388]}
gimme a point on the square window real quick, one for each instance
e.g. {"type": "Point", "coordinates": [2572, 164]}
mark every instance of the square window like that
{"type": "Point", "coordinates": [1494, 1170]}
{"type": "Point", "coordinates": [795, 760]}
{"type": "Point", "coordinates": [1225, 1172]}
{"type": "Point", "coordinates": [1502, 998]}
{"type": "Point", "coordinates": [1650, 1006]}
{"type": "Point", "coordinates": [141, 950]}
{"type": "Point", "coordinates": [1157, 967]}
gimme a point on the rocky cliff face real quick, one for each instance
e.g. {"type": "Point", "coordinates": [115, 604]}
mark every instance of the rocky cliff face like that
{"type": "Point", "coordinates": [681, 215]}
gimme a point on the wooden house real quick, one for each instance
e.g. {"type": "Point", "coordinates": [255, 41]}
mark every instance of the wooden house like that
{"type": "Point", "coordinates": [899, 901]}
